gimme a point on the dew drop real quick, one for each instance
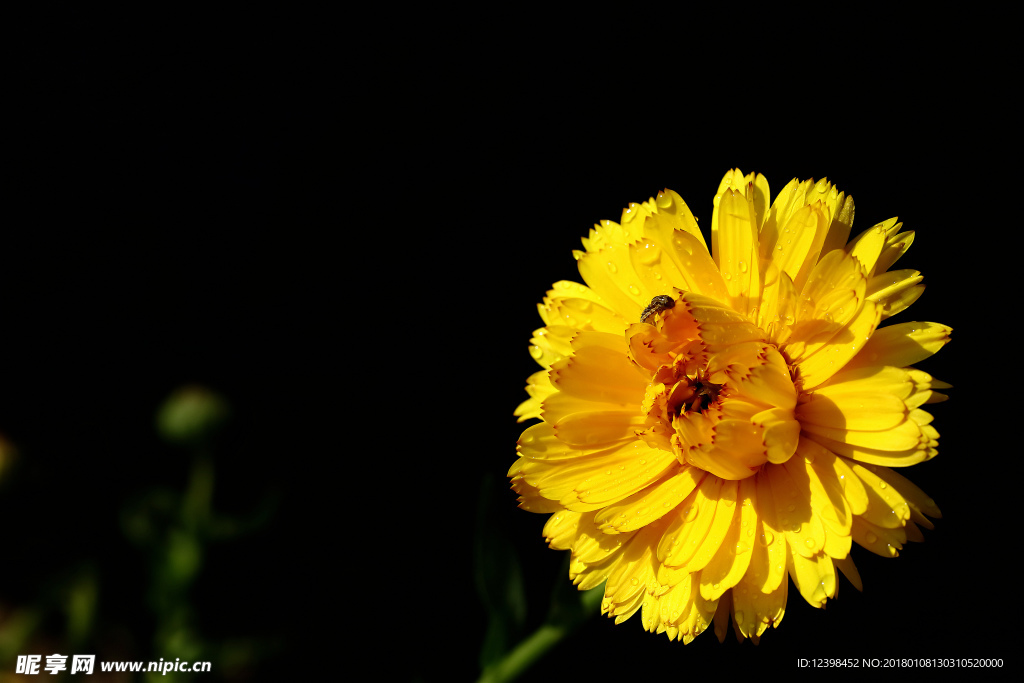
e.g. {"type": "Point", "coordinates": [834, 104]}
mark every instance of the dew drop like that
{"type": "Point", "coordinates": [870, 537]}
{"type": "Point", "coordinates": [635, 581]}
{"type": "Point", "coordinates": [881, 484]}
{"type": "Point", "coordinates": [743, 267]}
{"type": "Point", "coordinates": [634, 289]}
{"type": "Point", "coordinates": [612, 267]}
{"type": "Point", "coordinates": [649, 254]}
{"type": "Point", "coordinates": [536, 352]}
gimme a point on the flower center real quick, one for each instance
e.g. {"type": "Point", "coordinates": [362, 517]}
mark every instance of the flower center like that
{"type": "Point", "coordinates": [698, 396]}
{"type": "Point", "coordinates": [720, 396]}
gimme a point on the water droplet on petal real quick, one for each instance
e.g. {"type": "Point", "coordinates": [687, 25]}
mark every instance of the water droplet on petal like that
{"type": "Point", "coordinates": [650, 253]}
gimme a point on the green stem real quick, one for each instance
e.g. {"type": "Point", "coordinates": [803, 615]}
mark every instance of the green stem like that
{"type": "Point", "coordinates": [517, 660]}
{"type": "Point", "coordinates": [524, 654]}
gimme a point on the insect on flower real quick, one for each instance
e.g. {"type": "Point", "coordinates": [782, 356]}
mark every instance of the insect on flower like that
{"type": "Point", "coordinates": [657, 305]}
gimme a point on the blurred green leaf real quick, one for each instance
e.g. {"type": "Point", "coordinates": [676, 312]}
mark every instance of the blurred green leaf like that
{"type": "Point", "coordinates": [190, 415]}
{"type": "Point", "coordinates": [81, 605]}
{"type": "Point", "coordinates": [499, 581]}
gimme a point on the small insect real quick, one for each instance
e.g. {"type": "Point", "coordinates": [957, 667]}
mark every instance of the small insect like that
{"type": "Point", "coordinates": [657, 305]}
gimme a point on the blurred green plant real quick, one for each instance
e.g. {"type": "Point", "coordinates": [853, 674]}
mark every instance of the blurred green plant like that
{"type": "Point", "coordinates": [504, 654]}
{"type": "Point", "coordinates": [173, 529]}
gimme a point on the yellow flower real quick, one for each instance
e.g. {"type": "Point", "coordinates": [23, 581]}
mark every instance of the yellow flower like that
{"type": "Point", "coordinates": [713, 422]}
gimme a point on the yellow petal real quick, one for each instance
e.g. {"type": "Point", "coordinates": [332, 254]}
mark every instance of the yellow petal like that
{"type": "Point", "coordinates": [852, 488]}
{"type": "Point", "coordinates": [672, 214]}
{"type": "Point", "coordinates": [720, 326]}
{"type": "Point", "coordinates": [539, 387]}
{"type": "Point", "coordinates": [597, 373]}
{"type": "Point", "coordinates": [725, 510]}
{"type": "Point", "coordinates": [692, 260]}
{"type": "Point", "coordinates": [730, 562]}
{"type": "Point", "coordinates": [884, 542]}
{"type": "Point", "coordinates": [805, 533]}
{"type": "Point", "coordinates": [633, 574]}
{"type": "Point", "coordinates": [866, 410]}
{"type": "Point", "coordinates": [799, 242]}
{"type": "Point", "coordinates": [754, 610]}
{"type": "Point", "coordinates": [897, 302]}
{"type": "Point", "coordinates": [849, 570]}
{"type": "Point", "coordinates": [902, 345]}
{"type": "Point", "coordinates": [735, 249]}
{"type": "Point", "coordinates": [886, 507]}
{"type": "Point", "coordinates": [609, 272]}
{"type": "Point", "coordinates": [581, 314]}
{"type": "Point", "coordinates": [551, 344]}
{"type": "Point", "coordinates": [896, 245]}
{"type": "Point", "coordinates": [654, 502]}
{"type": "Point", "coordinates": [868, 245]}
{"type": "Point", "coordinates": [815, 577]}
{"type": "Point", "coordinates": [843, 346]}
{"type": "Point", "coordinates": [687, 530]}
{"type": "Point", "coordinates": [842, 221]}
{"type": "Point", "coordinates": [774, 537]}
{"type": "Point", "coordinates": [592, 546]}
{"type": "Point", "coordinates": [561, 528]}
{"type": "Point", "coordinates": [596, 427]}
{"type": "Point", "coordinates": [885, 285]}
{"type": "Point", "coordinates": [916, 498]}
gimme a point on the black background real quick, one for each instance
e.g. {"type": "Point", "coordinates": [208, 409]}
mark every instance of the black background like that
{"type": "Point", "coordinates": [166, 224]}
{"type": "Point", "coordinates": [348, 234]}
